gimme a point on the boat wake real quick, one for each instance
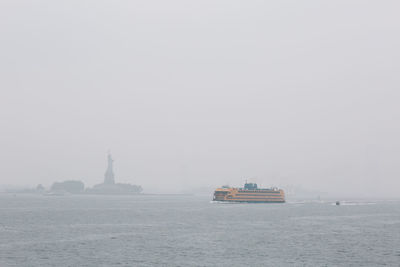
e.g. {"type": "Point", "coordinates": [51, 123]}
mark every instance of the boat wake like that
{"type": "Point", "coordinates": [345, 203]}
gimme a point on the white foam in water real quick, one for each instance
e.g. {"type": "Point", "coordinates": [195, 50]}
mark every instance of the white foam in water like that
{"type": "Point", "coordinates": [354, 203]}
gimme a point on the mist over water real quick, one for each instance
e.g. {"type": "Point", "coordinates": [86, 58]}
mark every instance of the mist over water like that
{"type": "Point", "coordinates": [199, 94]}
{"type": "Point", "coordinates": [122, 118]}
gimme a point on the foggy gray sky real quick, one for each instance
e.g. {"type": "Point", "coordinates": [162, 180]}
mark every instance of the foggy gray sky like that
{"type": "Point", "coordinates": [202, 93]}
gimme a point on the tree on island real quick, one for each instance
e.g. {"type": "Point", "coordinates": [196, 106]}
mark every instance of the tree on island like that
{"type": "Point", "coordinates": [73, 187]}
{"type": "Point", "coordinates": [40, 188]}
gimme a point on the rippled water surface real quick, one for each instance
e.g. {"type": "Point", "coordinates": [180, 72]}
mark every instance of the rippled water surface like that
{"type": "Point", "coordinates": [191, 231]}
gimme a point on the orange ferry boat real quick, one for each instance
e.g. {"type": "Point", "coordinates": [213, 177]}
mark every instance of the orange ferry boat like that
{"type": "Point", "coordinates": [250, 193]}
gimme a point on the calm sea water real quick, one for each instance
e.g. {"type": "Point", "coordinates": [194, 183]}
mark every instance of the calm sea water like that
{"type": "Point", "coordinates": [191, 231]}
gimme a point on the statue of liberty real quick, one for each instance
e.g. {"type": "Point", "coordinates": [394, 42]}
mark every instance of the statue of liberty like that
{"type": "Point", "coordinates": [109, 175]}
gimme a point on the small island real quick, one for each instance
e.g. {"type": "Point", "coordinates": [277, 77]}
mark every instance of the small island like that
{"type": "Point", "coordinates": [109, 187]}
{"type": "Point", "coordinates": [74, 187]}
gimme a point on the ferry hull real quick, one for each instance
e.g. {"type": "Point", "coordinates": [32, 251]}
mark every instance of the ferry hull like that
{"type": "Point", "coordinates": [245, 201]}
{"type": "Point", "coordinates": [249, 196]}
